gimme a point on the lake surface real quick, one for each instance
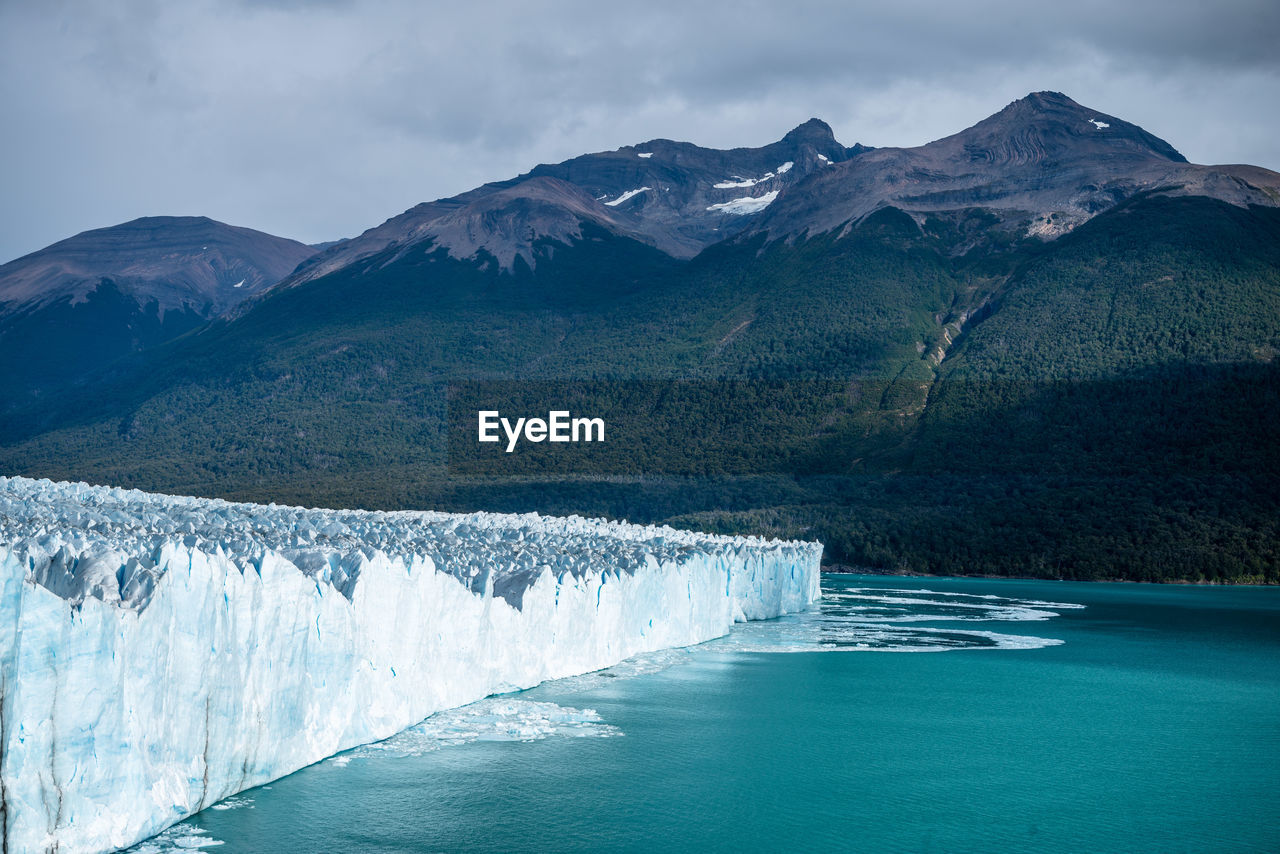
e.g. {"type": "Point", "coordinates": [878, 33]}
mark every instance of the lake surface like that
{"type": "Point", "coordinates": [914, 715]}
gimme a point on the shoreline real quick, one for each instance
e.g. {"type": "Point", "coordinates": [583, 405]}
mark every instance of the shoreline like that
{"type": "Point", "coordinates": [844, 569]}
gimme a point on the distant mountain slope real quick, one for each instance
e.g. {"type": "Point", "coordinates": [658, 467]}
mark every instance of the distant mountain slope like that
{"type": "Point", "coordinates": [1041, 166]}
{"type": "Point", "coordinates": [698, 196]}
{"type": "Point", "coordinates": [179, 263]}
{"type": "Point", "coordinates": [1038, 168]}
{"type": "Point", "coordinates": [86, 300]}
{"type": "Point", "coordinates": [675, 196]}
{"type": "Point", "coordinates": [1135, 346]}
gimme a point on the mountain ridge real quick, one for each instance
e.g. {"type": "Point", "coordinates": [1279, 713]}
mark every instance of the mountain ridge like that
{"type": "Point", "coordinates": [107, 292]}
{"type": "Point", "coordinates": [178, 261]}
{"type": "Point", "coordinates": [675, 196]}
{"type": "Point", "coordinates": [1043, 165]}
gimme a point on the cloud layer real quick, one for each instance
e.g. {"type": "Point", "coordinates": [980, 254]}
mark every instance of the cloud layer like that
{"type": "Point", "coordinates": [318, 120]}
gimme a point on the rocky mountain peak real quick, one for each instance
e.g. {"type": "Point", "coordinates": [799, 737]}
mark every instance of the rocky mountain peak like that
{"type": "Point", "coordinates": [675, 196]}
{"type": "Point", "coordinates": [1046, 100]}
{"type": "Point", "coordinates": [1042, 165]}
{"type": "Point", "coordinates": [176, 261]}
{"type": "Point", "coordinates": [1049, 125]}
{"type": "Point", "coordinates": [815, 132]}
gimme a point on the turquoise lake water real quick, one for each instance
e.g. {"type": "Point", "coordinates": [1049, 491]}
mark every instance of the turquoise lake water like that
{"type": "Point", "coordinates": [914, 715]}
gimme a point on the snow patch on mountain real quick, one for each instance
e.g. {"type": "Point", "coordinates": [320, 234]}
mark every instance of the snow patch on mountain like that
{"type": "Point", "coordinates": [627, 195]}
{"type": "Point", "coordinates": [736, 181]}
{"type": "Point", "coordinates": [746, 204]}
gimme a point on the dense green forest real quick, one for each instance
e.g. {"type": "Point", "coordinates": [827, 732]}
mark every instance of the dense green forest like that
{"type": "Point", "coordinates": [949, 398]}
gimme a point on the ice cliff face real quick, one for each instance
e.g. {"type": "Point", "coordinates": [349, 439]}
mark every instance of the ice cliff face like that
{"type": "Point", "coordinates": [158, 654]}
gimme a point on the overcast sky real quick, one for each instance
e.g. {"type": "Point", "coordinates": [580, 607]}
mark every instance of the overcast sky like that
{"type": "Point", "coordinates": [317, 120]}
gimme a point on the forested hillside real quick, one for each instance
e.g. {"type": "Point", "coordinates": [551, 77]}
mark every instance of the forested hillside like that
{"type": "Point", "coordinates": [1098, 406]}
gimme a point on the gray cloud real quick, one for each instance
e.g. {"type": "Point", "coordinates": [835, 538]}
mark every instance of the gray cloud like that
{"type": "Point", "coordinates": [317, 120]}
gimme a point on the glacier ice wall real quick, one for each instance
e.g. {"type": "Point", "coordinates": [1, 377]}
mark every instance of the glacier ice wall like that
{"type": "Point", "coordinates": [160, 653]}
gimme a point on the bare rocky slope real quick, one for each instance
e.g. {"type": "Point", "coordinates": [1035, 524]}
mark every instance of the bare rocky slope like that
{"type": "Point", "coordinates": [1041, 166]}
{"type": "Point", "coordinates": [675, 196]}
{"type": "Point", "coordinates": [90, 299]}
{"type": "Point", "coordinates": [178, 262]}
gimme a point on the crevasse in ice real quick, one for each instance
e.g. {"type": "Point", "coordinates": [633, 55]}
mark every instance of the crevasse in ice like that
{"type": "Point", "coordinates": [160, 653]}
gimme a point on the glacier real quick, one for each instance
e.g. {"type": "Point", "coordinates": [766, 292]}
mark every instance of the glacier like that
{"type": "Point", "coordinates": [161, 653]}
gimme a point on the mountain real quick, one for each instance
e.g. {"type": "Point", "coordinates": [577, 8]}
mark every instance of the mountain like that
{"type": "Point", "coordinates": [675, 196]}
{"type": "Point", "coordinates": [891, 358]}
{"type": "Point", "coordinates": [1038, 168]}
{"type": "Point", "coordinates": [179, 263]}
{"type": "Point", "coordinates": [104, 293]}
{"type": "Point", "coordinates": [1042, 165]}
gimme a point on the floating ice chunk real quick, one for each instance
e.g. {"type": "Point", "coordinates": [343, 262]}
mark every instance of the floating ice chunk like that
{"type": "Point", "coordinates": [628, 194]}
{"type": "Point", "coordinates": [494, 719]}
{"type": "Point", "coordinates": [177, 839]}
{"type": "Point", "coordinates": [745, 205]}
{"type": "Point", "coordinates": [234, 803]}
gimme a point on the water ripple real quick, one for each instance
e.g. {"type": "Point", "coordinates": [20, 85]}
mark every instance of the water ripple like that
{"type": "Point", "coordinates": [886, 620]}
